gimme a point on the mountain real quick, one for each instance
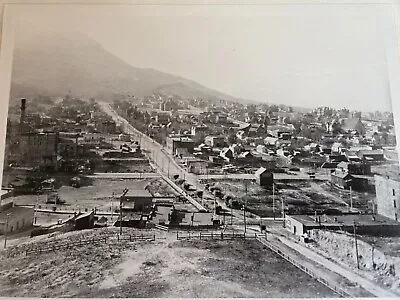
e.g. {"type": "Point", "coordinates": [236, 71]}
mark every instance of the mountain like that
{"type": "Point", "coordinates": [56, 64]}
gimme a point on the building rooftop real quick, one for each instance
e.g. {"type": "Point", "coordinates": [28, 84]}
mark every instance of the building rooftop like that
{"type": "Point", "coordinates": [181, 139]}
{"type": "Point", "coordinates": [340, 174]}
{"type": "Point", "coordinates": [4, 192]}
{"type": "Point", "coordinates": [391, 176]}
{"type": "Point", "coordinates": [84, 215]}
{"type": "Point", "coordinates": [138, 193]}
{"type": "Point", "coordinates": [344, 220]}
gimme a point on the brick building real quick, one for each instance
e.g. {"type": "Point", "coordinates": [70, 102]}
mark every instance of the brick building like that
{"type": "Point", "coordinates": [174, 143]}
{"type": "Point", "coordinates": [388, 196]}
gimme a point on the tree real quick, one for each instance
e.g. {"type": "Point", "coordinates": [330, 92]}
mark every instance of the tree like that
{"type": "Point", "coordinates": [273, 108]}
{"type": "Point", "coordinates": [336, 128]}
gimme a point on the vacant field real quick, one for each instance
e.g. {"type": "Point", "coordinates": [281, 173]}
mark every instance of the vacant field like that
{"type": "Point", "coordinates": [297, 196]}
{"type": "Point", "coordinates": [164, 268]}
{"type": "Point", "coordinates": [363, 201]}
{"type": "Point", "coordinates": [102, 194]}
{"type": "Point", "coordinates": [124, 166]}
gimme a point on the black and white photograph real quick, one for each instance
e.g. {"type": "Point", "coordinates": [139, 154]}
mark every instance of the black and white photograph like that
{"type": "Point", "coordinates": [200, 150]}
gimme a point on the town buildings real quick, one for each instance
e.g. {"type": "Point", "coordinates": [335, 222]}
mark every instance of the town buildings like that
{"type": "Point", "coordinates": [362, 224]}
{"type": "Point", "coordinates": [175, 143]}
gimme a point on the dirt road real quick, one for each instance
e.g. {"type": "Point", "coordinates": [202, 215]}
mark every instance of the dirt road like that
{"type": "Point", "coordinates": [369, 286]}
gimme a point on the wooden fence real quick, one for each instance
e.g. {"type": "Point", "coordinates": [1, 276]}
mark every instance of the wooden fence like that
{"type": "Point", "coordinates": [216, 236]}
{"type": "Point", "coordinates": [161, 227]}
{"type": "Point", "coordinates": [55, 245]}
{"type": "Point", "coordinates": [297, 264]}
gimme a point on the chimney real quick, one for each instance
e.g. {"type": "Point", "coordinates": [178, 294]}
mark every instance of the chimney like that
{"type": "Point", "coordinates": [22, 117]}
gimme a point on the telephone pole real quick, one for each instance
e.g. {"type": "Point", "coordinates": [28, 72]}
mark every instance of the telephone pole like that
{"type": "Point", "coordinates": [273, 199]}
{"type": "Point", "coordinates": [355, 243]}
{"type": "Point", "coordinates": [5, 231]}
{"type": "Point", "coordinates": [125, 191]}
{"type": "Point", "coordinates": [351, 199]}
{"type": "Point", "coordinates": [283, 212]}
{"type": "Point", "coordinates": [244, 206]}
{"type": "Point", "coordinates": [244, 216]}
{"type": "Point", "coordinates": [112, 206]}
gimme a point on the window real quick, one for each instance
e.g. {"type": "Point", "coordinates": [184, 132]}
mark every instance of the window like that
{"type": "Point", "coordinates": [393, 192]}
{"type": "Point", "coordinates": [17, 224]}
{"type": "Point", "coordinates": [394, 203]}
{"type": "Point", "coordinates": [395, 217]}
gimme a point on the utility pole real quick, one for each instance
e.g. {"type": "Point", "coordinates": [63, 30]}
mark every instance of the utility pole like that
{"type": "Point", "coordinates": [244, 207]}
{"type": "Point", "coordinates": [273, 199]}
{"type": "Point", "coordinates": [373, 206]}
{"type": "Point", "coordinates": [283, 212]}
{"type": "Point", "coordinates": [36, 207]}
{"type": "Point", "coordinates": [244, 216]}
{"type": "Point", "coordinates": [5, 231]}
{"type": "Point", "coordinates": [231, 214]}
{"type": "Point", "coordinates": [215, 205]}
{"type": "Point", "coordinates": [125, 191]}
{"type": "Point", "coordinates": [112, 206]}
{"type": "Point", "coordinates": [355, 243]}
{"type": "Point", "coordinates": [351, 199]}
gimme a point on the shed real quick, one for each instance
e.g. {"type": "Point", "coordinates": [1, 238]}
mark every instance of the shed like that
{"type": "Point", "coordinates": [84, 221]}
{"type": "Point", "coordinates": [264, 177]}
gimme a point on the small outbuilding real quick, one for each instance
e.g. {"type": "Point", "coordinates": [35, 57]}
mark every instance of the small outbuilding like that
{"type": "Point", "coordinates": [84, 221]}
{"type": "Point", "coordinates": [264, 177]}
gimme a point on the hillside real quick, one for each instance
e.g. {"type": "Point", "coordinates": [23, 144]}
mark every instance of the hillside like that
{"type": "Point", "coordinates": [151, 269]}
{"type": "Point", "coordinates": [55, 64]}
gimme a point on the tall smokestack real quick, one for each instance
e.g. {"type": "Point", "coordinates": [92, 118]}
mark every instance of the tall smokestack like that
{"type": "Point", "coordinates": [23, 108]}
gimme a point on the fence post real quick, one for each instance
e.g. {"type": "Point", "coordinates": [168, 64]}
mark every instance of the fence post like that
{"type": "Point", "coordinates": [200, 235]}
{"type": "Point", "coordinates": [118, 237]}
{"type": "Point", "coordinates": [222, 236]}
{"type": "Point", "coordinates": [154, 236]}
{"type": "Point", "coordinates": [130, 238]}
{"type": "Point", "coordinates": [177, 235]}
{"type": "Point", "coordinates": [142, 236]}
{"type": "Point", "coordinates": [212, 235]}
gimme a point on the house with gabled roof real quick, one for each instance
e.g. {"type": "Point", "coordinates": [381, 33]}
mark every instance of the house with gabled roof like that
{"type": "Point", "coordinates": [264, 177]}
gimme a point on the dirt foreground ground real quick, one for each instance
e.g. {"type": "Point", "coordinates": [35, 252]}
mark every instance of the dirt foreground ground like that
{"type": "Point", "coordinates": [164, 268]}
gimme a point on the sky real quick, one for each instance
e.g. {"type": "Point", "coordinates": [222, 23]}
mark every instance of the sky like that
{"type": "Point", "coordinates": [315, 55]}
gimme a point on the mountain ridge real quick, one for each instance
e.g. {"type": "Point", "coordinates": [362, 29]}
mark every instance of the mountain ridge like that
{"type": "Point", "coordinates": [54, 64]}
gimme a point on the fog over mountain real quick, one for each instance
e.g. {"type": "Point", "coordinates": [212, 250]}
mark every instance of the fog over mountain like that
{"type": "Point", "coordinates": [72, 63]}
